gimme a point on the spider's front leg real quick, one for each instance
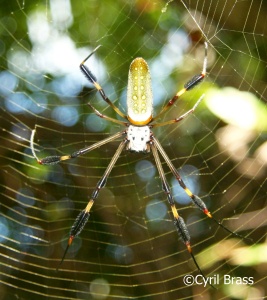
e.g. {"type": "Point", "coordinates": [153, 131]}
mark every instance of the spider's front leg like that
{"type": "Point", "coordinates": [55, 159]}
{"type": "Point", "coordinates": [178, 220]}
{"type": "Point", "coordinates": [199, 203]}
{"type": "Point", "coordinates": [83, 216]}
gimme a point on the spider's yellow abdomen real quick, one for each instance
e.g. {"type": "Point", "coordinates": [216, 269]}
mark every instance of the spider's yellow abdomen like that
{"type": "Point", "coordinates": [139, 93]}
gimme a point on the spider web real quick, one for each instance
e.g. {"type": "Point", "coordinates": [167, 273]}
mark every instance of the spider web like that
{"type": "Point", "coordinates": [130, 249]}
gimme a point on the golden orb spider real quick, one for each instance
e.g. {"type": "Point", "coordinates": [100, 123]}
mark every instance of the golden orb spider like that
{"type": "Point", "coordinates": [138, 137]}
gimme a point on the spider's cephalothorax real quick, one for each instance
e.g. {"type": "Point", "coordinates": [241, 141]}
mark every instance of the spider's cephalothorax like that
{"type": "Point", "coordinates": [137, 137]}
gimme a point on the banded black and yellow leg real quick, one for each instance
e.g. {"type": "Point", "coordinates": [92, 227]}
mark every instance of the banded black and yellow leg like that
{"type": "Point", "coordinates": [195, 199]}
{"type": "Point", "coordinates": [195, 80]}
{"type": "Point", "coordinates": [83, 216]}
{"type": "Point", "coordinates": [89, 75]}
{"type": "Point", "coordinates": [55, 159]}
{"type": "Point", "coordinates": [178, 220]}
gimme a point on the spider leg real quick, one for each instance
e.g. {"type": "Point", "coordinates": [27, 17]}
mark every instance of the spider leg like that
{"type": "Point", "coordinates": [188, 86]}
{"type": "Point", "coordinates": [54, 159]}
{"type": "Point", "coordinates": [83, 216]}
{"type": "Point", "coordinates": [183, 116]}
{"type": "Point", "coordinates": [178, 220]}
{"type": "Point", "coordinates": [89, 75]}
{"type": "Point", "coordinates": [195, 199]}
{"type": "Point", "coordinates": [106, 117]}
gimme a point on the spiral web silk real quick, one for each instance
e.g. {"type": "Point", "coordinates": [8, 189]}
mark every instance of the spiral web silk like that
{"type": "Point", "coordinates": [129, 249]}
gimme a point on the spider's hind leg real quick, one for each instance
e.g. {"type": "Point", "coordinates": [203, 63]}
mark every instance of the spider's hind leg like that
{"type": "Point", "coordinates": [194, 81]}
{"type": "Point", "coordinates": [89, 75]}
